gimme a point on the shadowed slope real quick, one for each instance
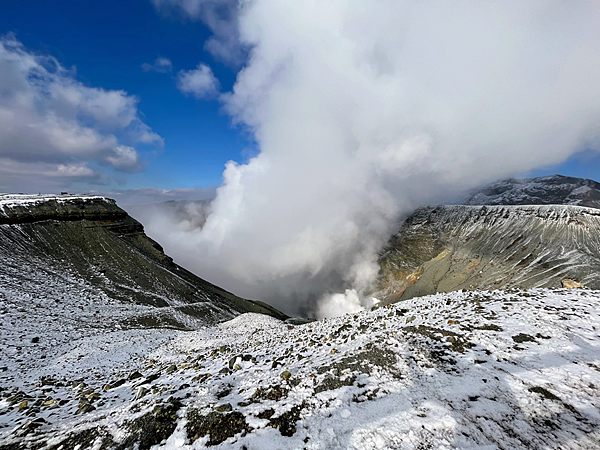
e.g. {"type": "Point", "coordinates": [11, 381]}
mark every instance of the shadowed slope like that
{"type": "Point", "coordinates": [95, 241]}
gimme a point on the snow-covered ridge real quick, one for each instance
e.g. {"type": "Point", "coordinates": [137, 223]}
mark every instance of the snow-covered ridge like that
{"type": "Point", "coordinates": [553, 189]}
{"type": "Point", "coordinates": [21, 208]}
{"type": "Point", "coordinates": [93, 250]}
{"type": "Point", "coordinates": [492, 214]}
{"type": "Point", "coordinates": [12, 200]}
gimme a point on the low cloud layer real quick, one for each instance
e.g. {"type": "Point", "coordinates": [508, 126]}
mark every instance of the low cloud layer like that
{"type": "Point", "coordinates": [159, 209]}
{"type": "Point", "coordinates": [146, 196]}
{"type": "Point", "coordinates": [364, 110]}
{"type": "Point", "coordinates": [55, 130]}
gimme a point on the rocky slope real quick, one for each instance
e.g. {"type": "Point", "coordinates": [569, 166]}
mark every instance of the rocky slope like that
{"type": "Point", "coordinates": [487, 370]}
{"type": "Point", "coordinates": [549, 190]}
{"type": "Point", "coordinates": [99, 244]}
{"type": "Point", "coordinates": [72, 267]}
{"type": "Point", "coordinates": [448, 248]}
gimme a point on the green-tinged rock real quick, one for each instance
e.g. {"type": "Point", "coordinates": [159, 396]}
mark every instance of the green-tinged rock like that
{"type": "Point", "coordinates": [286, 375]}
{"type": "Point", "coordinates": [224, 408]}
{"type": "Point", "coordinates": [141, 393]}
{"type": "Point", "coordinates": [233, 360]}
{"type": "Point", "coordinates": [86, 408]}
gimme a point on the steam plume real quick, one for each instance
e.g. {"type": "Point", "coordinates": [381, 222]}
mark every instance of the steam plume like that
{"type": "Point", "coordinates": [364, 110]}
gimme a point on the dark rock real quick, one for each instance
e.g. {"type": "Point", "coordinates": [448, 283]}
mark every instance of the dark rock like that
{"type": "Point", "coordinates": [522, 337]}
{"type": "Point", "coordinates": [218, 426]}
{"type": "Point", "coordinates": [287, 421]}
{"type": "Point", "coordinates": [266, 414]}
{"type": "Point", "coordinates": [286, 375]}
{"type": "Point", "coordinates": [233, 360]}
{"type": "Point", "coordinates": [85, 408]}
{"type": "Point", "coordinates": [330, 383]}
{"type": "Point", "coordinates": [150, 379]}
{"type": "Point", "coordinates": [152, 428]}
{"type": "Point", "coordinates": [275, 393]}
{"type": "Point", "coordinates": [299, 320]}
{"type": "Point", "coordinates": [84, 440]}
{"type": "Point", "coordinates": [224, 391]}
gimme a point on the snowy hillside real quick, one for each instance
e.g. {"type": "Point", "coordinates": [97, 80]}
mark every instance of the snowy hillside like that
{"type": "Point", "coordinates": [76, 267]}
{"type": "Point", "coordinates": [509, 370]}
{"type": "Point", "coordinates": [89, 244]}
{"type": "Point", "coordinates": [549, 190]}
{"type": "Point", "coordinates": [447, 248]}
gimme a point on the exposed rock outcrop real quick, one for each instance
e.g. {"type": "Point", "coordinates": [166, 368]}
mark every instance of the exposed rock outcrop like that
{"type": "Point", "coordinates": [448, 248]}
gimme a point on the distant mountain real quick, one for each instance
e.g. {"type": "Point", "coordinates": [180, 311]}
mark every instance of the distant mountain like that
{"type": "Point", "coordinates": [530, 233]}
{"type": "Point", "coordinates": [550, 190]}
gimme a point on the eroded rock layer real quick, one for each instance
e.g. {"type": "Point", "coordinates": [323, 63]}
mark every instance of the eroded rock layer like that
{"type": "Point", "coordinates": [448, 248]}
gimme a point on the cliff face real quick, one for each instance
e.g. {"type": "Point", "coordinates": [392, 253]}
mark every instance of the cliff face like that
{"type": "Point", "coordinates": [448, 248]}
{"type": "Point", "coordinates": [93, 241]}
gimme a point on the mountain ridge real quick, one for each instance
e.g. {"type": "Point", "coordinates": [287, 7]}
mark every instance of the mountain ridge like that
{"type": "Point", "coordinates": [530, 233]}
{"type": "Point", "coordinates": [548, 190]}
{"type": "Point", "coordinates": [94, 238]}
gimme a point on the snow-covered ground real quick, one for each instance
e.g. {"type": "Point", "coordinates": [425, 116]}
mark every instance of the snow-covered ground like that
{"type": "Point", "coordinates": [12, 200]}
{"type": "Point", "coordinates": [502, 369]}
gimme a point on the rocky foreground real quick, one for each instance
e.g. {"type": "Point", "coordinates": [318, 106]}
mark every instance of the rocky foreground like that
{"type": "Point", "coordinates": [503, 369]}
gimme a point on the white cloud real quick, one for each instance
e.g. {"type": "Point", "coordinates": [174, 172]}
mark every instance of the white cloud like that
{"type": "Point", "coordinates": [221, 17]}
{"type": "Point", "coordinates": [58, 127]}
{"type": "Point", "coordinates": [161, 65]}
{"type": "Point", "coordinates": [199, 82]}
{"type": "Point", "coordinates": [366, 109]}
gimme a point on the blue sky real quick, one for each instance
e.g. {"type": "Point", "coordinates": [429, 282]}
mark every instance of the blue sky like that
{"type": "Point", "coordinates": [107, 42]}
